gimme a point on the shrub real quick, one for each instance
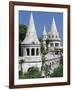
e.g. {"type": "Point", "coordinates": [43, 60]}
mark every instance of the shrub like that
{"type": "Point", "coordinates": [58, 72]}
{"type": "Point", "coordinates": [33, 72]}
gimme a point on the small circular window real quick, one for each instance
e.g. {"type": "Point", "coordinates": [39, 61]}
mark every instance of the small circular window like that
{"type": "Point", "coordinates": [52, 36]}
{"type": "Point", "coordinates": [49, 36]}
{"type": "Point", "coordinates": [56, 36]}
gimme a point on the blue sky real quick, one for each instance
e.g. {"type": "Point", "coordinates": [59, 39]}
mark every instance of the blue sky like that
{"type": "Point", "coordinates": [41, 19]}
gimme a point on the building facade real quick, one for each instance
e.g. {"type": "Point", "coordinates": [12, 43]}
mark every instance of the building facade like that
{"type": "Point", "coordinates": [55, 49]}
{"type": "Point", "coordinates": [54, 39]}
{"type": "Point", "coordinates": [30, 47]}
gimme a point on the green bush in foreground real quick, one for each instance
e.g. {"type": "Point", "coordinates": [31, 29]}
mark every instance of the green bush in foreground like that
{"type": "Point", "coordinates": [33, 72]}
{"type": "Point", "coordinates": [58, 72]}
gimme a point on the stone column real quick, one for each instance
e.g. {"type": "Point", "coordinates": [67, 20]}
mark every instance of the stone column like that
{"type": "Point", "coordinates": [54, 43]}
{"type": "Point", "coordinates": [35, 51]}
{"type": "Point", "coordinates": [39, 52]}
{"type": "Point", "coordinates": [30, 50]}
{"type": "Point", "coordinates": [24, 52]}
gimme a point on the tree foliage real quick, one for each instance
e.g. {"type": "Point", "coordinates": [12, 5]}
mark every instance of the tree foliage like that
{"type": "Point", "coordinates": [41, 46]}
{"type": "Point", "coordinates": [43, 51]}
{"type": "Point", "coordinates": [58, 72]}
{"type": "Point", "coordinates": [61, 60]}
{"type": "Point", "coordinates": [33, 72]}
{"type": "Point", "coordinates": [22, 32]}
{"type": "Point", "coordinates": [21, 62]}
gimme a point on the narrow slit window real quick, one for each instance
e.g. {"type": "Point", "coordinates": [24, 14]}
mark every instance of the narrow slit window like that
{"type": "Point", "coordinates": [37, 51]}
{"type": "Point", "coordinates": [28, 52]}
{"type": "Point", "coordinates": [32, 51]}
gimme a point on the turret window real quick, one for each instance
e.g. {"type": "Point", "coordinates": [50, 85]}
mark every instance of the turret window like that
{"type": "Point", "coordinates": [32, 51]}
{"type": "Point", "coordinates": [49, 36]}
{"type": "Point", "coordinates": [28, 52]}
{"type": "Point", "coordinates": [51, 44]}
{"type": "Point", "coordinates": [56, 52]}
{"type": "Point", "coordinates": [56, 44]}
{"type": "Point", "coordinates": [52, 36]}
{"type": "Point", "coordinates": [37, 51]}
{"type": "Point", "coordinates": [56, 36]}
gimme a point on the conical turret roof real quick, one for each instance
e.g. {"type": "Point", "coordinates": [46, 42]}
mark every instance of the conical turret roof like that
{"type": "Point", "coordinates": [53, 26]}
{"type": "Point", "coordinates": [44, 31]}
{"type": "Point", "coordinates": [44, 35]}
{"type": "Point", "coordinates": [53, 34]}
{"type": "Point", "coordinates": [31, 36]}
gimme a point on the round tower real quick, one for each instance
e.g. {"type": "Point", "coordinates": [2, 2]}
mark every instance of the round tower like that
{"type": "Point", "coordinates": [31, 47]}
{"type": "Point", "coordinates": [54, 39]}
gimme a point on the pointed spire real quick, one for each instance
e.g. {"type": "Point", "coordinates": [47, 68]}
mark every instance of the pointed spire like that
{"type": "Point", "coordinates": [31, 36]}
{"type": "Point", "coordinates": [31, 26]}
{"type": "Point", "coordinates": [53, 26]}
{"type": "Point", "coordinates": [44, 32]}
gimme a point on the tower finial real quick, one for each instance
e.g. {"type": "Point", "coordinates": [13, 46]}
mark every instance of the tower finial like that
{"type": "Point", "coordinates": [31, 25]}
{"type": "Point", "coordinates": [44, 32]}
{"type": "Point", "coordinates": [53, 26]}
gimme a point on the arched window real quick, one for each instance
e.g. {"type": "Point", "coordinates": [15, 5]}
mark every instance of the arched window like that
{"type": "Point", "coordinates": [28, 52]}
{"type": "Point", "coordinates": [56, 36]}
{"type": "Point", "coordinates": [56, 52]}
{"type": "Point", "coordinates": [51, 44]}
{"type": "Point", "coordinates": [56, 44]}
{"type": "Point", "coordinates": [49, 36]}
{"type": "Point", "coordinates": [52, 36]}
{"type": "Point", "coordinates": [37, 51]}
{"type": "Point", "coordinates": [32, 51]}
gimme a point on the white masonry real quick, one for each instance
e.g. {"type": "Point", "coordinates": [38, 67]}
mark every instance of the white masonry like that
{"type": "Point", "coordinates": [54, 47]}
{"type": "Point", "coordinates": [31, 48]}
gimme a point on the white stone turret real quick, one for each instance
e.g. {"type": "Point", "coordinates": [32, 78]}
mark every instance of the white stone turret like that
{"type": "Point", "coordinates": [53, 37]}
{"type": "Point", "coordinates": [31, 48]}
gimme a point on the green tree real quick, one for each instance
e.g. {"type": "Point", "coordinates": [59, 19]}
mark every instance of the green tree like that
{"type": "Point", "coordinates": [21, 62]}
{"type": "Point", "coordinates": [47, 42]}
{"type": "Point", "coordinates": [41, 46]}
{"type": "Point", "coordinates": [33, 72]}
{"type": "Point", "coordinates": [21, 71]}
{"type": "Point", "coordinates": [22, 32]}
{"type": "Point", "coordinates": [58, 72]}
{"type": "Point", "coordinates": [61, 60]}
{"type": "Point", "coordinates": [47, 70]}
{"type": "Point", "coordinates": [43, 51]}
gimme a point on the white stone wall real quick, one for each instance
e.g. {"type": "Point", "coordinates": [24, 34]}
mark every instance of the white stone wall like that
{"type": "Point", "coordinates": [32, 61]}
{"type": "Point", "coordinates": [26, 66]}
{"type": "Point", "coordinates": [36, 61]}
{"type": "Point", "coordinates": [54, 63]}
